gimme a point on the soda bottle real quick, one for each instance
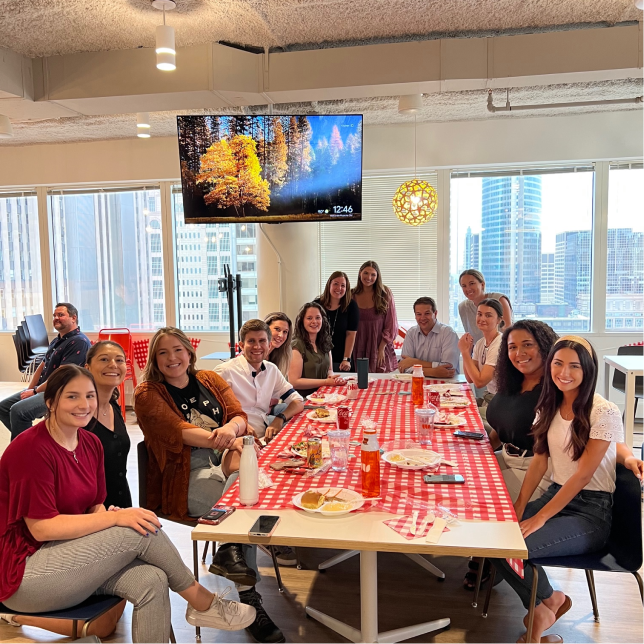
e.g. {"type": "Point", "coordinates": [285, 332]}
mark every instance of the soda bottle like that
{"type": "Point", "coordinates": [370, 460]}
{"type": "Point", "coordinates": [417, 381]}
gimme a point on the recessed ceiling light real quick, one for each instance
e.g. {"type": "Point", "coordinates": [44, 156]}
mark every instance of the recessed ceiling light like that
{"type": "Point", "coordinates": [165, 48]}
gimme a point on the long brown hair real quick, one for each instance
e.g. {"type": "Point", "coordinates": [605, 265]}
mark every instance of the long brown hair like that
{"type": "Point", "coordinates": [91, 354]}
{"type": "Point", "coordinates": [282, 355]}
{"type": "Point", "coordinates": [59, 379]}
{"type": "Point", "coordinates": [552, 397]}
{"type": "Point", "coordinates": [325, 298]}
{"type": "Point", "coordinates": [151, 372]}
{"type": "Point", "coordinates": [381, 294]}
{"type": "Point", "coordinates": [323, 341]}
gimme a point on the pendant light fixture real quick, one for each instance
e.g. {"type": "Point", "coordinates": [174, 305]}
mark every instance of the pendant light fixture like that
{"type": "Point", "coordinates": [6, 129]}
{"type": "Point", "coordinates": [143, 125]}
{"type": "Point", "coordinates": [415, 201]}
{"type": "Point", "coordinates": [166, 51]}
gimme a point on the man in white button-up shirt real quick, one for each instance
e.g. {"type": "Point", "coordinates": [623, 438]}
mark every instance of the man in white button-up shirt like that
{"type": "Point", "coordinates": [431, 344]}
{"type": "Point", "coordinates": [255, 382]}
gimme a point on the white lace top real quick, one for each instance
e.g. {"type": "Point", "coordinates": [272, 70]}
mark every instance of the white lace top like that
{"type": "Point", "coordinates": [606, 425]}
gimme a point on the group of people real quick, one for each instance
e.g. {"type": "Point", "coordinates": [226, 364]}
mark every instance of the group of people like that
{"type": "Point", "coordinates": [67, 528]}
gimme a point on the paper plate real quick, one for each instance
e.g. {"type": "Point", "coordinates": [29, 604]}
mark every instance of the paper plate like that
{"type": "Point", "coordinates": [329, 419]}
{"type": "Point", "coordinates": [328, 399]}
{"type": "Point", "coordinates": [350, 494]}
{"type": "Point", "coordinates": [299, 449]}
{"type": "Point", "coordinates": [403, 377]}
{"type": "Point", "coordinates": [420, 454]}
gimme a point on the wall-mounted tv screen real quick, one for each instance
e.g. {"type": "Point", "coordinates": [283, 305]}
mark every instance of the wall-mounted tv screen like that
{"type": "Point", "coordinates": [270, 168]}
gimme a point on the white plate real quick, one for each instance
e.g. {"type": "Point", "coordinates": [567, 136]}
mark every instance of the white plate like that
{"type": "Point", "coordinates": [455, 403]}
{"type": "Point", "coordinates": [329, 419]}
{"type": "Point", "coordinates": [438, 425]}
{"type": "Point", "coordinates": [351, 494]}
{"type": "Point", "coordinates": [403, 377]}
{"type": "Point", "coordinates": [412, 453]}
{"type": "Point", "coordinates": [329, 399]}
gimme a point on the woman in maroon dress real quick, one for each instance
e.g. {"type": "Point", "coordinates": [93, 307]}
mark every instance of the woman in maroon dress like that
{"type": "Point", "coordinates": [378, 324]}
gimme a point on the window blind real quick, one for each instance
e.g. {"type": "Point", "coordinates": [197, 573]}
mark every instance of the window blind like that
{"type": "Point", "coordinates": [514, 172]}
{"type": "Point", "coordinates": [406, 254]}
{"type": "Point", "coordinates": [626, 165]}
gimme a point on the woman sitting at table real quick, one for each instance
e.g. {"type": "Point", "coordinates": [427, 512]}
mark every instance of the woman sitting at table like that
{"type": "Point", "coordinates": [378, 325]}
{"type": "Point", "coordinates": [193, 427]}
{"type": "Point", "coordinates": [343, 315]}
{"type": "Point", "coordinates": [281, 337]}
{"type": "Point", "coordinates": [479, 365]}
{"type": "Point", "coordinates": [311, 365]}
{"type": "Point", "coordinates": [473, 285]}
{"type": "Point", "coordinates": [577, 431]}
{"type": "Point", "coordinates": [58, 544]}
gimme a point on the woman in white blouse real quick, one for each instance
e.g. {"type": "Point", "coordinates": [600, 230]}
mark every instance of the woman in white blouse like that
{"type": "Point", "coordinates": [579, 431]}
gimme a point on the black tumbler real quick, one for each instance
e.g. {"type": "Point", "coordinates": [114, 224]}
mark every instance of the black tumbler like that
{"type": "Point", "coordinates": [363, 372]}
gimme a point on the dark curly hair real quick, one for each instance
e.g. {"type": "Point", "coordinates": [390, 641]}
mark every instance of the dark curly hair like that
{"type": "Point", "coordinates": [552, 397]}
{"type": "Point", "coordinates": [323, 342]}
{"type": "Point", "coordinates": [508, 378]}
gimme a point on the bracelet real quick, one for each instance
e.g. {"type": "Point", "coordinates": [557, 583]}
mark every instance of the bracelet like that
{"type": "Point", "coordinates": [236, 426]}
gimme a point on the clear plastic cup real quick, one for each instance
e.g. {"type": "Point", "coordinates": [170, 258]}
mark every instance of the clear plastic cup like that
{"type": "Point", "coordinates": [339, 444]}
{"type": "Point", "coordinates": [425, 425]}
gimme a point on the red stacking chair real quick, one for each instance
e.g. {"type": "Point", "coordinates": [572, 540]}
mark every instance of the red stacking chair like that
{"type": "Point", "coordinates": [141, 348]}
{"type": "Point", "coordinates": [124, 338]}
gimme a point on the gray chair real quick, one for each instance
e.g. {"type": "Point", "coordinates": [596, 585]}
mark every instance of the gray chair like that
{"type": "Point", "coordinates": [619, 377]}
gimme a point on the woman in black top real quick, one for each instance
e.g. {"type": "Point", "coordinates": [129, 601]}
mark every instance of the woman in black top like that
{"type": "Point", "coordinates": [343, 315]}
{"type": "Point", "coordinates": [106, 362]}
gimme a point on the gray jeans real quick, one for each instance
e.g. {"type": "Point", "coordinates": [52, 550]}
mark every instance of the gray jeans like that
{"type": "Point", "coordinates": [583, 526]}
{"type": "Point", "coordinates": [117, 561]}
{"type": "Point", "coordinates": [18, 415]}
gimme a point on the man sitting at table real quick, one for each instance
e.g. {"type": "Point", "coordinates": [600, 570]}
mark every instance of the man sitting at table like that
{"type": "Point", "coordinates": [431, 344]}
{"type": "Point", "coordinates": [256, 382]}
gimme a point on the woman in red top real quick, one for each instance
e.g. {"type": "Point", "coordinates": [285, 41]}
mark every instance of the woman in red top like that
{"type": "Point", "coordinates": [58, 544]}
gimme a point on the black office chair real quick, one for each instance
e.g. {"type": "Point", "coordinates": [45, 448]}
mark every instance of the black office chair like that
{"type": "Point", "coordinates": [622, 553]}
{"type": "Point", "coordinates": [619, 377]}
{"type": "Point", "coordinates": [22, 366]}
{"type": "Point", "coordinates": [37, 332]}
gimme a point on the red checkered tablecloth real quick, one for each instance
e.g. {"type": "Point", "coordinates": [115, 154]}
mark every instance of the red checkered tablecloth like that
{"type": "Point", "coordinates": [483, 496]}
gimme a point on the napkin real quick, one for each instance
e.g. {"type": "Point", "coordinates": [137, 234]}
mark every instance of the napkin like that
{"type": "Point", "coordinates": [402, 525]}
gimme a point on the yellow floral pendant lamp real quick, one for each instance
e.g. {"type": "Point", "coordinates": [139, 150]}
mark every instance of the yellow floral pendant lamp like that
{"type": "Point", "coordinates": [415, 201]}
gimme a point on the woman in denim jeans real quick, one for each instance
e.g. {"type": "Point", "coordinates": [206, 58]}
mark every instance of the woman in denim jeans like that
{"type": "Point", "coordinates": [579, 431]}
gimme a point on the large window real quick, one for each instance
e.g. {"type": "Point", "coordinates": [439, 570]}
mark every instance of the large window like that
{"type": "Point", "coordinates": [406, 254]}
{"type": "Point", "coordinates": [106, 254]}
{"type": "Point", "coordinates": [202, 252]}
{"type": "Point", "coordinates": [625, 252]}
{"type": "Point", "coordinates": [20, 270]}
{"type": "Point", "coordinates": [530, 233]}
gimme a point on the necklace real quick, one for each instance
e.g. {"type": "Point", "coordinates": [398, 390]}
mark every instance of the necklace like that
{"type": "Point", "coordinates": [335, 319]}
{"type": "Point", "coordinates": [107, 408]}
{"type": "Point", "coordinates": [50, 429]}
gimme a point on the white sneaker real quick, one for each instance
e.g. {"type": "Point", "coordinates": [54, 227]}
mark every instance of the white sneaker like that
{"type": "Point", "coordinates": [223, 614]}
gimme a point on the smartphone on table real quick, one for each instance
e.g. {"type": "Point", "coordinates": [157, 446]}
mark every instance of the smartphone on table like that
{"type": "Point", "coordinates": [443, 478]}
{"type": "Point", "coordinates": [264, 526]}
{"type": "Point", "coordinates": [471, 435]}
{"type": "Point", "coordinates": [216, 514]}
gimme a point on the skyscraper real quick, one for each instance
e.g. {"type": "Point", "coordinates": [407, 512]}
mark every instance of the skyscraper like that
{"type": "Point", "coordinates": [511, 237]}
{"type": "Point", "coordinates": [573, 267]}
{"type": "Point", "coordinates": [547, 278]}
{"type": "Point", "coordinates": [472, 254]}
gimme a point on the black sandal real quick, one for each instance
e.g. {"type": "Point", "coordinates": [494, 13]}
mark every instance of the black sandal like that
{"type": "Point", "coordinates": [469, 582]}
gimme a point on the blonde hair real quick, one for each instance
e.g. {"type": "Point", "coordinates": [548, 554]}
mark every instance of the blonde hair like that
{"type": "Point", "coordinates": [282, 356]}
{"type": "Point", "coordinates": [151, 372]}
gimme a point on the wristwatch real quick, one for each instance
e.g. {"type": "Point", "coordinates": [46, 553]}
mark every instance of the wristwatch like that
{"type": "Point", "coordinates": [346, 359]}
{"type": "Point", "coordinates": [280, 415]}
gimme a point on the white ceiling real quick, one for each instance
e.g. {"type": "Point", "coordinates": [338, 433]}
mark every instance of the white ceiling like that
{"type": "Point", "coordinates": [437, 107]}
{"type": "Point", "coordinates": [38, 28]}
{"type": "Point", "coordinates": [50, 27]}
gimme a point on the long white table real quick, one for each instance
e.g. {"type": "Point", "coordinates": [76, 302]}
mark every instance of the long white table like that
{"type": "Point", "coordinates": [631, 366]}
{"type": "Point", "coordinates": [366, 533]}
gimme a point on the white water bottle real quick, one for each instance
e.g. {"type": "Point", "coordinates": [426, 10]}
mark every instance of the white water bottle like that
{"type": "Point", "coordinates": [248, 473]}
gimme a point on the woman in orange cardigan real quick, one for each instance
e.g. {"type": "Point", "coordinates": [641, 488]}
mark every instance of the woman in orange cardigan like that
{"type": "Point", "coordinates": [193, 427]}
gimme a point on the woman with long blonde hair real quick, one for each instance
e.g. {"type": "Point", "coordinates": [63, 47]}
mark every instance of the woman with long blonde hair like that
{"type": "Point", "coordinates": [378, 326]}
{"type": "Point", "coordinates": [281, 336]}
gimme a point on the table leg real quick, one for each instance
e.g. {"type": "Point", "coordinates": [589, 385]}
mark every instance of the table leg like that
{"type": "Point", "coordinates": [629, 408]}
{"type": "Point", "coordinates": [369, 611]}
{"type": "Point", "coordinates": [606, 380]}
